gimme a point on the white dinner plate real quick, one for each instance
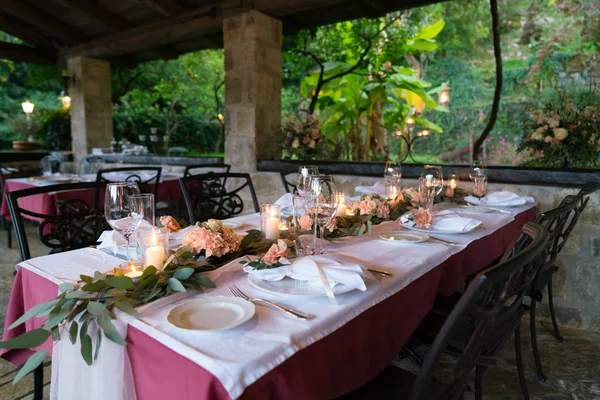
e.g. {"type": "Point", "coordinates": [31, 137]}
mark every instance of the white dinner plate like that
{"type": "Point", "coordinates": [231, 224]}
{"type": "Point", "coordinates": [294, 287]}
{"type": "Point", "coordinates": [210, 314]}
{"type": "Point", "coordinates": [401, 237]}
{"type": "Point", "coordinates": [432, 230]}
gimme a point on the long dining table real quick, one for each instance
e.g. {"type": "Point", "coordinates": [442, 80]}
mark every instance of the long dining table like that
{"type": "Point", "coordinates": [274, 356]}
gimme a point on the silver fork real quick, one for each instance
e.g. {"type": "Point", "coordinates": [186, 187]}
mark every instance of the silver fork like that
{"type": "Point", "coordinates": [298, 314]}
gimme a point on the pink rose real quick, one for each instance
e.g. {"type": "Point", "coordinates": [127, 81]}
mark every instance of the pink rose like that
{"type": "Point", "coordinates": [214, 242]}
{"type": "Point", "coordinates": [275, 252]}
{"type": "Point", "coordinates": [449, 192]}
{"type": "Point", "coordinates": [423, 218]}
{"type": "Point", "coordinates": [305, 222]}
{"type": "Point", "coordinates": [479, 192]}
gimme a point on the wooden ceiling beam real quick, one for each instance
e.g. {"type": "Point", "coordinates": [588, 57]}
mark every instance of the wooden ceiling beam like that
{"type": "Point", "coordinates": [25, 33]}
{"type": "Point", "coordinates": [19, 52]}
{"type": "Point", "coordinates": [167, 8]}
{"type": "Point", "coordinates": [45, 22]}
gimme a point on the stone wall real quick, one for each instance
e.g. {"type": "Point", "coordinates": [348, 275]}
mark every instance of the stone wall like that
{"type": "Point", "coordinates": [576, 284]}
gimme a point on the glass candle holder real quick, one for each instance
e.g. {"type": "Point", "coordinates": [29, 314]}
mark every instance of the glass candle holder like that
{"type": "Point", "coordinates": [342, 207]}
{"type": "Point", "coordinates": [480, 186]}
{"type": "Point", "coordinates": [392, 191]}
{"type": "Point", "coordinates": [270, 215]}
{"type": "Point", "coordinates": [155, 246]}
{"type": "Point", "coordinates": [132, 269]}
{"type": "Point", "coordinates": [453, 184]}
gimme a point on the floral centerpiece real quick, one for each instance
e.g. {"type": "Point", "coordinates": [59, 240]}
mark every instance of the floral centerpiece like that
{"type": "Point", "coordinates": [275, 257]}
{"type": "Point", "coordinates": [562, 135]}
{"type": "Point", "coordinates": [302, 139]}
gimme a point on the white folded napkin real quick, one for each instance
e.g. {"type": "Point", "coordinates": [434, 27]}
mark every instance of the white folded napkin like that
{"type": "Point", "coordinates": [122, 176]}
{"type": "Point", "coordinates": [378, 188]}
{"type": "Point", "coordinates": [285, 202]}
{"type": "Point", "coordinates": [338, 269]}
{"type": "Point", "coordinates": [504, 198]}
{"type": "Point", "coordinates": [111, 241]}
{"type": "Point", "coordinates": [446, 221]}
{"type": "Point", "coordinates": [180, 234]}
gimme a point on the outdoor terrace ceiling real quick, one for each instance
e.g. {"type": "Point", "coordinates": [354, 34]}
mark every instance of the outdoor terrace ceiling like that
{"type": "Point", "coordinates": [134, 31]}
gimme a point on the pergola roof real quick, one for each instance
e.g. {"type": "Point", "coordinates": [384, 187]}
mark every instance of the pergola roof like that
{"type": "Point", "coordinates": [133, 31]}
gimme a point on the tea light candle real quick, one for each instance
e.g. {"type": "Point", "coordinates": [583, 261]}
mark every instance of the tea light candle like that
{"type": "Point", "coordinates": [453, 181]}
{"type": "Point", "coordinates": [272, 226]}
{"type": "Point", "coordinates": [349, 212]}
{"type": "Point", "coordinates": [341, 209]}
{"type": "Point", "coordinates": [155, 254]}
{"type": "Point", "coordinates": [429, 180]}
{"type": "Point", "coordinates": [284, 226]}
{"type": "Point", "coordinates": [134, 273]}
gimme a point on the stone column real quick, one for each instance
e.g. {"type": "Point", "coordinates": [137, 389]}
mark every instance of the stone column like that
{"type": "Point", "coordinates": [91, 105]}
{"type": "Point", "coordinates": [252, 88]}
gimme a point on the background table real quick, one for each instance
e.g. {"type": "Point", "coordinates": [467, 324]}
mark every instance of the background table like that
{"type": "Point", "coordinates": [338, 362]}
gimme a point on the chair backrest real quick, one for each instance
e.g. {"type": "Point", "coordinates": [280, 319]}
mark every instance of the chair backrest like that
{"type": "Point", "coordinates": [21, 172]}
{"type": "Point", "coordinates": [73, 224]}
{"type": "Point", "coordinates": [491, 293]}
{"type": "Point", "coordinates": [216, 195]}
{"type": "Point", "coordinates": [188, 170]}
{"type": "Point", "coordinates": [287, 184]}
{"type": "Point", "coordinates": [147, 178]}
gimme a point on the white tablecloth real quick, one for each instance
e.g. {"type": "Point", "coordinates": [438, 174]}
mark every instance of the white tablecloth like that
{"type": "Point", "coordinates": [240, 356]}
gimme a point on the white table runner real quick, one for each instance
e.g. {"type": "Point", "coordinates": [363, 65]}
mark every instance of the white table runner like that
{"type": "Point", "coordinates": [240, 356]}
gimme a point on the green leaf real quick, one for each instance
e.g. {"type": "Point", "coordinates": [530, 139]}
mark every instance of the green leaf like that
{"type": "Point", "coordinates": [369, 227]}
{"type": "Point", "coordinates": [94, 286]}
{"type": "Point", "coordinates": [32, 363]}
{"type": "Point", "coordinates": [86, 349]}
{"type": "Point", "coordinates": [85, 278]}
{"type": "Point", "coordinates": [183, 273]}
{"type": "Point", "coordinates": [204, 281]}
{"type": "Point", "coordinates": [32, 312]}
{"type": "Point", "coordinates": [78, 294]}
{"type": "Point", "coordinates": [98, 341]}
{"type": "Point", "coordinates": [148, 271]}
{"type": "Point", "coordinates": [56, 318]}
{"type": "Point", "coordinates": [98, 276]}
{"type": "Point", "coordinates": [63, 287]}
{"type": "Point", "coordinates": [27, 340]}
{"type": "Point", "coordinates": [182, 250]}
{"type": "Point", "coordinates": [431, 31]}
{"type": "Point", "coordinates": [175, 285]}
{"type": "Point", "coordinates": [47, 311]}
{"type": "Point", "coordinates": [252, 235]}
{"type": "Point", "coordinates": [109, 329]}
{"type": "Point", "coordinates": [128, 308]}
{"type": "Point", "coordinates": [120, 282]}
{"type": "Point", "coordinates": [55, 334]}
{"type": "Point", "coordinates": [362, 230]}
{"type": "Point", "coordinates": [83, 330]}
{"type": "Point", "coordinates": [73, 332]}
{"type": "Point", "coordinates": [95, 308]}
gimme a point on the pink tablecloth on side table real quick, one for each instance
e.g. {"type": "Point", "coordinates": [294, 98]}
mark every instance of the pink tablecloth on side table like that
{"type": "Point", "coordinates": [339, 362]}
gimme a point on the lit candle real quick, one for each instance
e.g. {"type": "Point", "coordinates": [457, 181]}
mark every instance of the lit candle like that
{"type": "Point", "coordinates": [283, 226]}
{"type": "Point", "coordinates": [453, 183]}
{"type": "Point", "coordinates": [349, 213]}
{"type": "Point", "coordinates": [429, 180]}
{"type": "Point", "coordinates": [155, 254]}
{"type": "Point", "coordinates": [134, 273]}
{"type": "Point", "coordinates": [341, 209]}
{"type": "Point", "coordinates": [272, 226]}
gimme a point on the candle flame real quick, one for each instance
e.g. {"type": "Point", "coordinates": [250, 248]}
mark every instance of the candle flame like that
{"type": "Point", "coordinates": [154, 239]}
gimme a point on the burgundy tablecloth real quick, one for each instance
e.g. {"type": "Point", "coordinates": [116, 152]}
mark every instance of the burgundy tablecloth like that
{"type": "Point", "coordinates": [46, 203]}
{"type": "Point", "coordinates": [338, 363]}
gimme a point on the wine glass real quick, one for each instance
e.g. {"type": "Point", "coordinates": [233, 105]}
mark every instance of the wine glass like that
{"type": "Point", "coordinates": [324, 192]}
{"type": "Point", "coordinates": [392, 173]}
{"type": "Point", "coordinates": [305, 172]}
{"type": "Point", "coordinates": [477, 169]}
{"type": "Point", "coordinates": [123, 210]}
{"type": "Point", "coordinates": [433, 178]}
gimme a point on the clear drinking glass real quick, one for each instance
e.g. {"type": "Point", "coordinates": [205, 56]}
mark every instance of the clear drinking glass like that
{"type": "Point", "coordinates": [392, 174]}
{"type": "Point", "coordinates": [480, 186]}
{"type": "Point", "coordinates": [434, 178]}
{"type": "Point", "coordinates": [305, 172]}
{"type": "Point", "coordinates": [477, 169]}
{"type": "Point", "coordinates": [324, 192]}
{"type": "Point", "coordinates": [302, 224]}
{"type": "Point", "coordinates": [122, 210]}
{"type": "Point", "coordinates": [428, 192]}
{"type": "Point", "coordinates": [148, 204]}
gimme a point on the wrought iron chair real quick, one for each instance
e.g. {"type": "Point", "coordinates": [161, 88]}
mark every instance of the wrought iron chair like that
{"type": "Point", "coordinates": [189, 168]}
{"type": "Point", "coordinates": [206, 196]}
{"type": "Point", "coordinates": [75, 223]}
{"type": "Point", "coordinates": [494, 296]}
{"type": "Point", "coordinates": [134, 174]}
{"type": "Point", "coordinates": [559, 222]}
{"type": "Point", "coordinates": [287, 185]}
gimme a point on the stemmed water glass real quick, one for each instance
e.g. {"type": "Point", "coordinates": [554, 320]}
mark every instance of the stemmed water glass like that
{"type": "Point", "coordinates": [477, 170]}
{"type": "Point", "coordinates": [305, 172]}
{"type": "Point", "coordinates": [123, 210]}
{"type": "Point", "coordinates": [323, 191]}
{"type": "Point", "coordinates": [392, 174]}
{"type": "Point", "coordinates": [434, 178]}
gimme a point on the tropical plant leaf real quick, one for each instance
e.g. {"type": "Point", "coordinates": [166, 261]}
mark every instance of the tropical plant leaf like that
{"type": "Point", "coordinates": [120, 282]}
{"type": "Point", "coordinates": [175, 285]}
{"type": "Point", "coordinates": [27, 340]}
{"type": "Point", "coordinates": [32, 363]}
{"type": "Point", "coordinates": [430, 31]}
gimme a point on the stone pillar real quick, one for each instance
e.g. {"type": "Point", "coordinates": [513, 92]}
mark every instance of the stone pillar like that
{"type": "Point", "coordinates": [91, 105]}
{"type": "Point", "coordinates": [252, 89]}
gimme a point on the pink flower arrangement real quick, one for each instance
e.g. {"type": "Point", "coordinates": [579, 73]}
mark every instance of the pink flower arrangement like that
{"type": "Point", "coordinates": [305, 222]}
{"type": "Point", "coordinates": [213, 238]}
{"type": "Point", "coordinates": [423, 218]}
{"type": "Point", "coordinates": [372, 205]}
{"type": "Point", "coordinates": [275, 252]}
{"type": "Point", "coordinates": [170, 223]}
